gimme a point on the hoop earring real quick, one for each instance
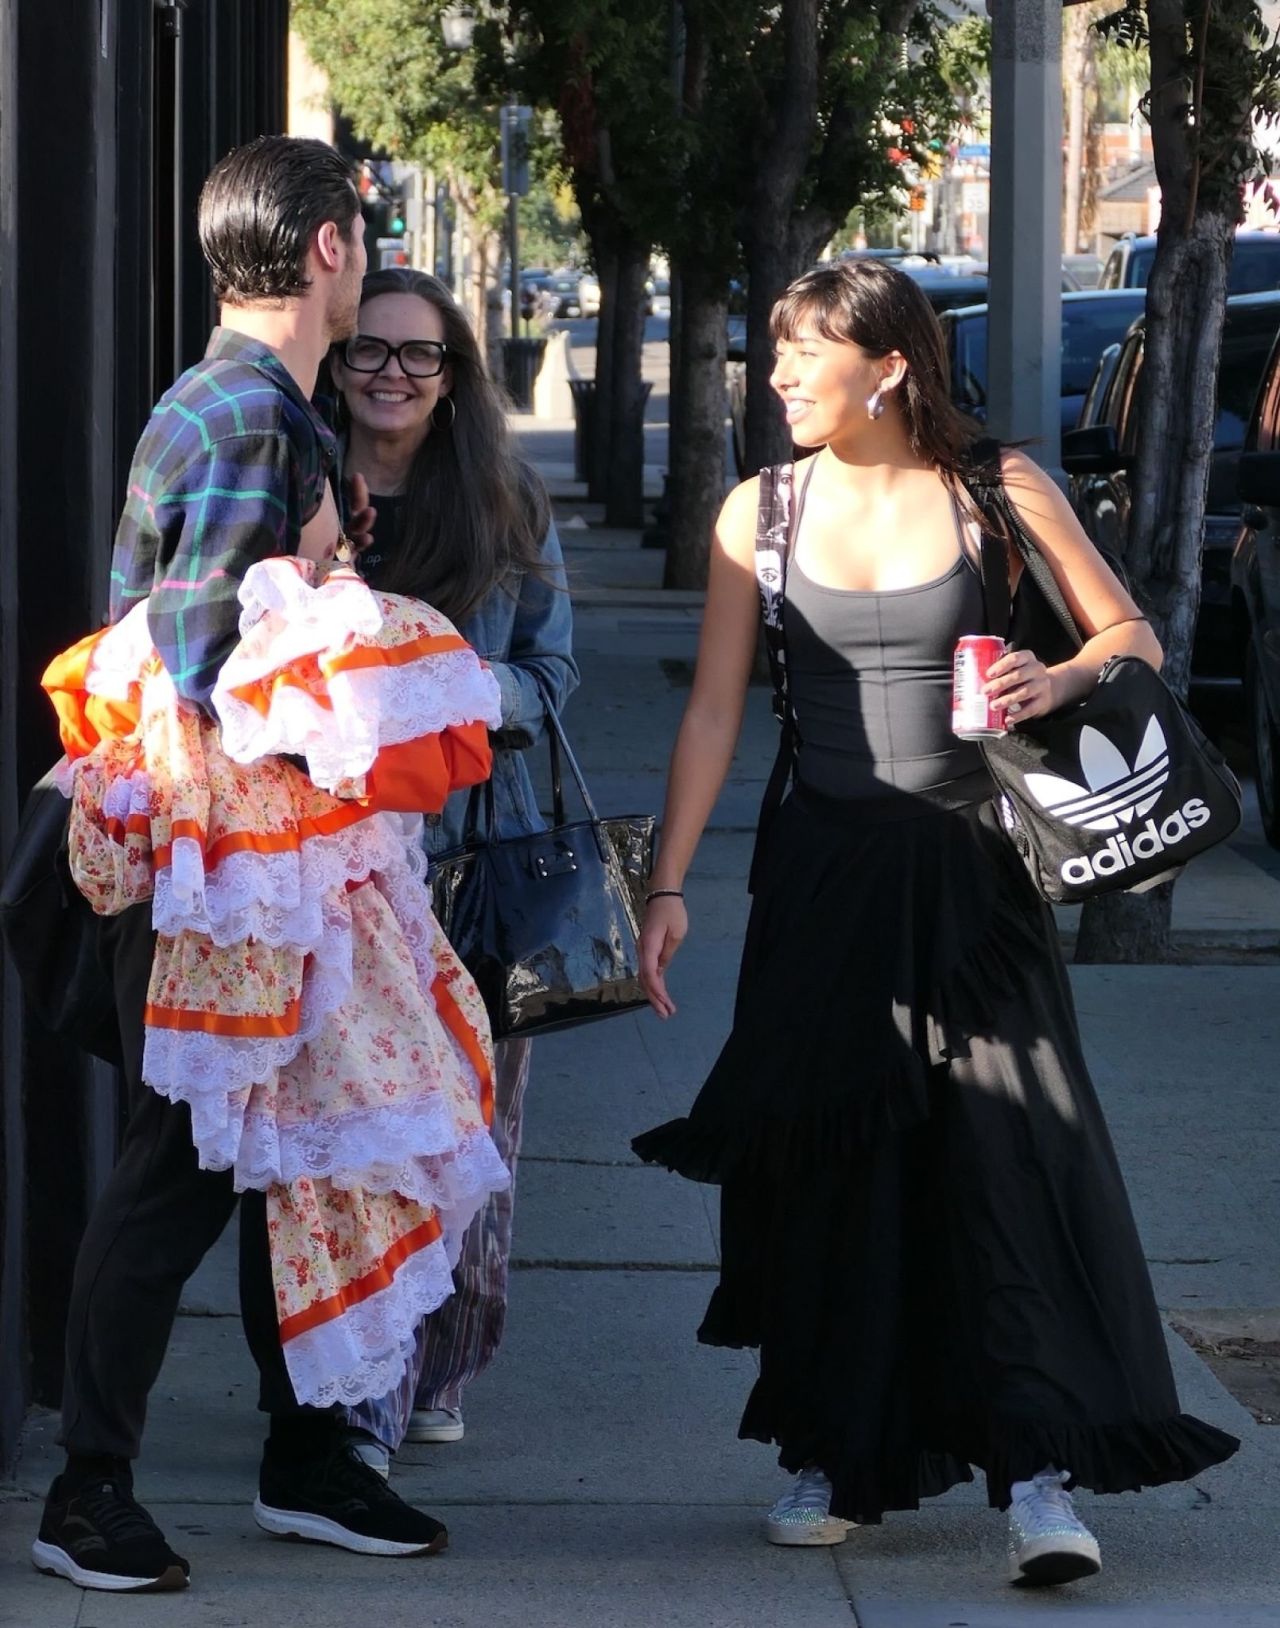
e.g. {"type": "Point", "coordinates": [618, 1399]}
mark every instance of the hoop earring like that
{"type": "Point", "coordinates": [876, 404]}
{"type": "Point", "coordinates": [453, 413]}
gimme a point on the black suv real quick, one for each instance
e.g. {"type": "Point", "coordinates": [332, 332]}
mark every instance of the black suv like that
{"type": "Point", "coordinates": [1099, 458]}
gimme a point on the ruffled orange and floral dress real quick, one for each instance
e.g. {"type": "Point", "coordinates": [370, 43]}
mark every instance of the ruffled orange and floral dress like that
{"type": "Point", "coordinates": [303, 1001]}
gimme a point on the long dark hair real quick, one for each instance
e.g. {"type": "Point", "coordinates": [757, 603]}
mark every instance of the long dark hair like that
{"type": "Point", "coordinates": [475, 514]}
{"type": "Point", "coordinates": [870, 304]}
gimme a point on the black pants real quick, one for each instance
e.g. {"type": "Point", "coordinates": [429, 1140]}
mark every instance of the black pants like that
{"type": "Point", "coordinates": [155, 1220]}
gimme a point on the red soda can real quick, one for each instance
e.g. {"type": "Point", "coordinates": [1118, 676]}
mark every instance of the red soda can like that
{"type": "Point", "coordinates": [975, 716]}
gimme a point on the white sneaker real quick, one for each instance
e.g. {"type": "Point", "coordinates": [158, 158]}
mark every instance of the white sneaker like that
{"type": "Point", "coordinates": [1048, 1542]}
{"type": "Point", "coordinates": [435, 1425]}
{"type": "Point", "coordinates": [803, 1514]}
{"type": "Point", "coordinates": [371, 1452]}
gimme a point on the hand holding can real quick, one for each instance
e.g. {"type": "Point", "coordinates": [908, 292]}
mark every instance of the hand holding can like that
{"type": "Point", "coordinates": [974, 714]}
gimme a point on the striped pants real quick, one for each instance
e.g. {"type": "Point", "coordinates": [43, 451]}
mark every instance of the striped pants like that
{"type": "Point", "coordinates": [461, 1339]}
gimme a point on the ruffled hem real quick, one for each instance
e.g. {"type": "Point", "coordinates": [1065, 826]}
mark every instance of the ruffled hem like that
{"type": "Point", "coordinates": [365, 1352]}
{"type": "Point", "coordinates": [415, 1152]}
{"type": "Point", "coordinates": [276, 898]}
{"type": "Point", "coordinates": [1121, 1457]}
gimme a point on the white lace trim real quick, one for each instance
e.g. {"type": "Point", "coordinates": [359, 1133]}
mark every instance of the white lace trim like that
{"type": "Point", "coordinates": [117, 659]}
{"type": "Point", "coordinates": [306, 618]}
{"type": "Point", "coordinates": [214, 1074]}
{"type": "Point", "coordinates": [364, 1353]}
{"type": "Point", "coordinates": [371, 707]}
{"type": "Point", "coordinates": [275, 898]}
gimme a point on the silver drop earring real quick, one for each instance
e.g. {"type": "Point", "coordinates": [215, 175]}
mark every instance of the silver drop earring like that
{"type": "Point", "coordinates": [875, 404]}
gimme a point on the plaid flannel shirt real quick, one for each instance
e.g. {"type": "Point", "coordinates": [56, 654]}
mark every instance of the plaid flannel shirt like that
{"type": "Point", "coordinates": [231, 465]}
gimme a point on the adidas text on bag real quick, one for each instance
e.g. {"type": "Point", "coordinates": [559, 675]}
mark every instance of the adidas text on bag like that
{"type": "Point", "coordinates": [1115, 793]}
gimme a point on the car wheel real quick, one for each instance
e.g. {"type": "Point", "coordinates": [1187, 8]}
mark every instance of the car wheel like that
{"type": "Point", "coordinates": [1264, 740]}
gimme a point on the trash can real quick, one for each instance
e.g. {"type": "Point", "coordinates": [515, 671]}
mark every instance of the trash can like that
{"type": "Point", "coordinates": [521, 359]}
{"type": "Point", "coordinates": [583, 392]}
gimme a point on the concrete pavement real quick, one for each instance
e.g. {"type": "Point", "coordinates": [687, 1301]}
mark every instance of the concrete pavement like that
{"type": "Point", "coordinates": [600, 1483]}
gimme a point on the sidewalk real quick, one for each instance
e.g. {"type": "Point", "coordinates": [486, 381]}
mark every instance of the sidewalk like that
{"type": "Point", "coordinates": [600, 1484]}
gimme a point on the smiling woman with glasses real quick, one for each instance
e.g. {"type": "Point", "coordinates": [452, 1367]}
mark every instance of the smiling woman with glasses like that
{"type": "Point", "coordinates": [464, 523]}
{"type": "Point", "coordinates": [419, 358]}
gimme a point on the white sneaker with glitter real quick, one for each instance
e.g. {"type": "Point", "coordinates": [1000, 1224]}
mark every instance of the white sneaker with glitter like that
{"type": "Point", "coordinates": [1048, 1542]}
{"type": "Point", "coordinates": [803, 1514]}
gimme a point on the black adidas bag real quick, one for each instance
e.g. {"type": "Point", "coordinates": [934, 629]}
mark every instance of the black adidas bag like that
{"type": "Point", "coordinates": [1116, 792]}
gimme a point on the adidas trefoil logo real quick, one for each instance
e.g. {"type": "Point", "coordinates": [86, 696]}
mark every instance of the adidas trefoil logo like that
{"type": "Point", "coordinates": [1115, 793]}
{"type": "Point", "coordinates": [1114, 796]}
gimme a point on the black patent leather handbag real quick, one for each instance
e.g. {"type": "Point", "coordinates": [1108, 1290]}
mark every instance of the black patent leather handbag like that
{"type": "Point", "coordinates": [547, 922]}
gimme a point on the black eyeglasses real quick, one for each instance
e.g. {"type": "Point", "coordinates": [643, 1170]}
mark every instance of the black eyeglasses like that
{"type": "Point", "coordinates": [419, 358]}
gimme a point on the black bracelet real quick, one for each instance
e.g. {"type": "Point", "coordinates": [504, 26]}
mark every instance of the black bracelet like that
{"type": "Point", "coordinates": [664, 893]}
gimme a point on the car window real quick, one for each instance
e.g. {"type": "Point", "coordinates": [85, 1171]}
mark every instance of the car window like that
{"type": "Point", "coordinates": [1088, 327]}
{"type": "Point", "coordinates": [1139, 268]}
{"type": "Point", "coordinates": [1111, 271]}
{"type": "Point", "coordinates": [1244, 355]}
{"type": "Point", "coordinates": [1265, 434]}
{"type": "Point", "coordinates": [1094, 403]}
{"type": "Point", "coordinates": [1255, 266]}
{"type": "Point", "coordinates": [1115, 412]}
{"type": "Point", "coordinates": [969, 361]}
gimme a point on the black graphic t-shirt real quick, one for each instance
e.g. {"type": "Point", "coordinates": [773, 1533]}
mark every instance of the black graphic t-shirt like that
{"type": "Point", "coordinates": [386, 538]}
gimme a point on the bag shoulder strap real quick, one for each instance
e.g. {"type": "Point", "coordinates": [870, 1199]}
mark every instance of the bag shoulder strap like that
{"type": "Point", "coordinates": [985, 484]}
{"type": "Point", "coordinates": [774, 523]}
{"type": "Point", "coordinates": [772, 556]}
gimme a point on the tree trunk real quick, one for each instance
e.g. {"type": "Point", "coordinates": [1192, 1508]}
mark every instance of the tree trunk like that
{"type": "Point", "coordinates": [1093, 151]}
{"type": "Point", "coordinates": [1076, 32]}
{"type": "Point", "coordinates": [697, 454]}
{"type": "Point", "coordinates": [776, 253]}
{"type": "Point", "coordinates": [1186, 301]}
{"type": "Point", "coordinates": [624, 495]}
{"type": "Point", "coordinates": [601, 434]}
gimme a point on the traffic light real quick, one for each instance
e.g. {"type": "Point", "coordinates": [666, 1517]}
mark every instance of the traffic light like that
{"type": "Point", "coordinates": [395, 222]}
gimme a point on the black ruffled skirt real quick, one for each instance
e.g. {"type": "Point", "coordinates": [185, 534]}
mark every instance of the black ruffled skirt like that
{"type": "Point", "coordinates": [924, 1227]}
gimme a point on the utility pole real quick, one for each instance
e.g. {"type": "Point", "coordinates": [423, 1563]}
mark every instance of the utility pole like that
{"type": "Point", "coordinates": [1024, 323]}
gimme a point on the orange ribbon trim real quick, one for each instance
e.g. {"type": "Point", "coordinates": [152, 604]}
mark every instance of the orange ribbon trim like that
{"type": "Point", "coordinates": [379, 1277]}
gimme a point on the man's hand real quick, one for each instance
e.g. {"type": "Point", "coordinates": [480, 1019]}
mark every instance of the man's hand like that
{"type": "Point", "coordinates": [360, 512]}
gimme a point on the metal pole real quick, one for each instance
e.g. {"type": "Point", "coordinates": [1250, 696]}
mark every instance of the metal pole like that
{"type": "Point", "coordinates": [513, 232]}
{"type": "Point", "coordinates": [1025, 319]}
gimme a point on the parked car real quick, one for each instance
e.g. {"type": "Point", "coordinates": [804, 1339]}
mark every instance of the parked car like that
{"type": "Point", "coordinates": [660, 297]}
{"type": "Point", "coordinates": [1255, 591]}
{"type": "Point", "coordinates": [1255, 263]}
{"type": "Point", "coordinates": [1090, 322]}
{"type": "Point", "coordinates": [564, 294]}
{"type": "Point", "coordinates": [1098, 459]}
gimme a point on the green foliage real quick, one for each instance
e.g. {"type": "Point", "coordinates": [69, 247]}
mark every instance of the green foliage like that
{"type": "Point", "coordinates": [404, 92]}
{"type": "Point", "coordinates": [1228, 61]}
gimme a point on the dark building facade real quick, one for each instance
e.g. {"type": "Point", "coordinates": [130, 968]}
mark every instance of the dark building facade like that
{"type": "Point", "coordinates": [111, 113]}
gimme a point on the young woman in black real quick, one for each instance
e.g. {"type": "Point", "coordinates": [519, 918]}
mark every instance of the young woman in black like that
{"type": "Point", "coordinates": [925, 1231]}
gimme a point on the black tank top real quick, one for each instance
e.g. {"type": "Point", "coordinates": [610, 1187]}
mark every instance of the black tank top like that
{"type": "Point", "coordinates": [870, 683]}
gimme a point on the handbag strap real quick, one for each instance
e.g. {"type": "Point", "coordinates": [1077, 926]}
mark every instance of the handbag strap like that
{"type": "Point", "coordinates": [986, 486]}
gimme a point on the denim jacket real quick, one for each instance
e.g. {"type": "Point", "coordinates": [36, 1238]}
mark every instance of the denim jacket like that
{"type": "Point", "coordinates": [522, 628]}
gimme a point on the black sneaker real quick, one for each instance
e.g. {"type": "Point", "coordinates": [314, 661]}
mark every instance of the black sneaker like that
{"type": "Point", "coordinates": [333, 1496]}
{"type": "Point", "coordinates": [96, 1536]}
